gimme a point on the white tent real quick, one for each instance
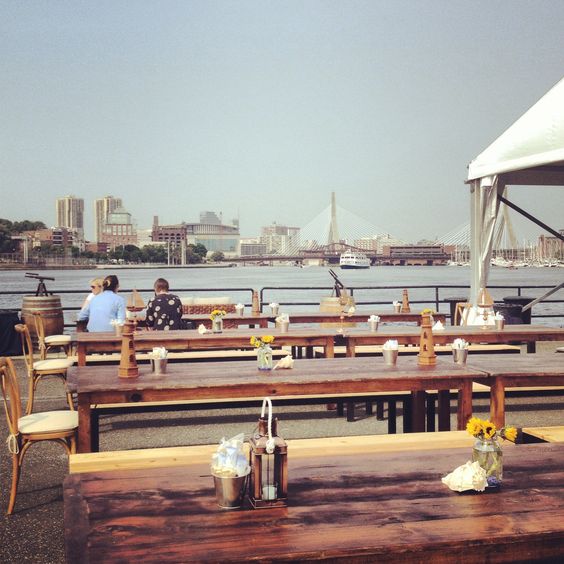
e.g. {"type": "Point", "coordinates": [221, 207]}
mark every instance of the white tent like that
{"type": "Point", "coordinates": [530, 152]}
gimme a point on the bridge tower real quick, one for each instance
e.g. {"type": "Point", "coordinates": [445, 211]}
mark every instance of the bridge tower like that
{"type": "Point", "coordinates": [333, 227]}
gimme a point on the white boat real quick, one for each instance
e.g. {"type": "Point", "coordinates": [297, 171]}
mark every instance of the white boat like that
{"type": "Point", "coordinates": [351, 259]}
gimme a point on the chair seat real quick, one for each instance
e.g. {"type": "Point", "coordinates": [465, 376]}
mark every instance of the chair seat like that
{"type": "Point", "coordinates": [48, 422]}
{"type": "Point", "coordinates": [57, 340]}
{"type": "Point", "coordinates": [52, 364]}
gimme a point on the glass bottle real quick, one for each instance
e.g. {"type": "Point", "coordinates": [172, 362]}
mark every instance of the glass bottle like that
{"type": "Point", "coordinates": [489, 454]}
{"type": "Point", "coordinates": [264, 357]}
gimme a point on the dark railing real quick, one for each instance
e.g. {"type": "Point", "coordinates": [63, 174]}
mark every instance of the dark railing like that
{"type": "Point", "coordinates": [438, 297]}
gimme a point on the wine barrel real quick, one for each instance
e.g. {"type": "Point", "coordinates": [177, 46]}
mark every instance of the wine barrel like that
{"type": "Point", "coordinates": [51, 313]}
{"type": "Point", "coordinates": [333, 305]}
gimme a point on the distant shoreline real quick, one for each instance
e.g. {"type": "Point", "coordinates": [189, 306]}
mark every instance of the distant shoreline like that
{"type": "Point", "coordinates": [30, 267]}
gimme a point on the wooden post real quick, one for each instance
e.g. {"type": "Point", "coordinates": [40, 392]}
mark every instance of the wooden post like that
{"type": "Point", "coordinates": [426, 356]}
{"type": "Point", "coordinates": [405, 303]}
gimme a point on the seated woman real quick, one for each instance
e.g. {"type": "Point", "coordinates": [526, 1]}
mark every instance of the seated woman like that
{"type": "Point", "coordinates": [103, 308]}
{"type": "Point", "coordinates": [96, 288]}
{"type": "Point", "coordinates": [164, 311]}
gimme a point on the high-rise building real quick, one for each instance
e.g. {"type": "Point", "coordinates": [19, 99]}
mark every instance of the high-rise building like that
{"type": "Point", "coordinates": [103, 207]}
{"type": "Point", "coordinates": [70, 213]}
{"type": "Point", "coordinates": [210, 218]}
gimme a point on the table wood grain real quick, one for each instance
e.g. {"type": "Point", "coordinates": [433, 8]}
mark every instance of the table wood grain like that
{"type": "Point", "coordinates": [378, 507]}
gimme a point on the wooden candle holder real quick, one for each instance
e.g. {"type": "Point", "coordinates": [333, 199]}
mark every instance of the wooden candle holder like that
{"type": "Point", "coordinates": [426, 356]}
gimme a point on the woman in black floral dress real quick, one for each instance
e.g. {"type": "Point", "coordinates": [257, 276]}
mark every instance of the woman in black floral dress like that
{"type": "Point", "coordinates": [164, 311]}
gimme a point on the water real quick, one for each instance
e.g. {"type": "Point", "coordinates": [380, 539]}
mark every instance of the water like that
{"type": "Point", "coordinates": [259, 277]}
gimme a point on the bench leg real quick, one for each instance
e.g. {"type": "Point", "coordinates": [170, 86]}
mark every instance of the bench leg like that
{"type": "Point", "coordinates": [419, 411]}
{"type": "Point", "coordinates": [380, 410]}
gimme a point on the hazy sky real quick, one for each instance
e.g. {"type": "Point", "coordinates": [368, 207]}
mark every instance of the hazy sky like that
{"type": "Point", "coordinates": [262, 108]}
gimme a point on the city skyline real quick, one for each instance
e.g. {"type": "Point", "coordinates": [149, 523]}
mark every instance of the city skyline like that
{"type": "Point", "coordinates": [261, 110]}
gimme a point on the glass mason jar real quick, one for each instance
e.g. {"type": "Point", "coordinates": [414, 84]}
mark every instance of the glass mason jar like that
{"type": "Point", "coordinates": [217, 324]}
{"type": "Point", "coordinates": [489, 454]}
{"type": "Point", "coordinates": [264, 358]}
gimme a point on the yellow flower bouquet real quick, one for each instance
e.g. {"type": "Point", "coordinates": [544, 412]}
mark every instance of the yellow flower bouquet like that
{"type": "Point", "coordinates": [487, 450]}
{"type": "Point", "coordinates": [264, 352]}
{"type": "Point", "coordinates": [217, 313]}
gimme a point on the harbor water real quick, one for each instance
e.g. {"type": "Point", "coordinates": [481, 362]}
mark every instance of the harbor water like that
{"type": "Point", "coordinates": [257, 277]}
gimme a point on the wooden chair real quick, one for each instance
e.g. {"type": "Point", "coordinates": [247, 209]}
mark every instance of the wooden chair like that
{"type": "Point", "coordinates": [51, 341]}
{"type": "Point", "coordinates": [40, 368]}
{"type": "Point", "coordinates": [59, 426]}
{"type": "Point", "coordinates": [461, 313]}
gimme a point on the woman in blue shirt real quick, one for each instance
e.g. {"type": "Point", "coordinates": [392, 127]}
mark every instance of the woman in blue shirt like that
{"type": "Point", "coordinates": [103, 308]}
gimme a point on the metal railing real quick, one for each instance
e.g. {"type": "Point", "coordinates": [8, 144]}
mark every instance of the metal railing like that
{"type": "Point", "coordinates": [438, 297]}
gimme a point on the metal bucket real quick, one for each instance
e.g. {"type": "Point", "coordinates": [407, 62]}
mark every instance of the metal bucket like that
{"type": "Point", "coordinates": [158, 365]}
{"type": "Point", "coordinates": [460, 355]}
{"type": "Point", "coordinates": [51, 313]}
{"type": "Point", "coordinates": [230, 491]}
{"type": "Point", "coordinates": [390, 356]}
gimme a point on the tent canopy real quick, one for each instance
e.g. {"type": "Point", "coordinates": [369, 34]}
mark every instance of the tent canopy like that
{"type": "Point", "coordinates": [530, 152]}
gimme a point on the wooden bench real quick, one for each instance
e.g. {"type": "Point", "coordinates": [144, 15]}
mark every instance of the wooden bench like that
{"type": "Point", "coordinates": [182, 455]}
{"type": "Point", "coordinates": [543, 434]}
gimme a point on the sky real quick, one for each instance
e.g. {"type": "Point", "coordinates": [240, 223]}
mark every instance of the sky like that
{"type": "Point", "coordinates": [261, 109]}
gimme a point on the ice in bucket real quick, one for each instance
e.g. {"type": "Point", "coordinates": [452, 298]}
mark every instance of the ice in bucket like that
{"type": "Point", "coordinates": [373, 321]}
{"type": "Point", "coordinates": [390, 352]}
{"type": "Point", "coordinates": [499, 321]}
{"type": "Point", "coordinates": [230, 470]}
{"type": "Point", "coordinates": [159, 360]}
{"type": "Point", "coordinates": [459, 351]}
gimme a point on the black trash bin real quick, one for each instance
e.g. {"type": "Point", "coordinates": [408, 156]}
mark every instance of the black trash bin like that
{"type": "Point", "coordinates": [10, 341]}
{"type": "Point", "coordinates": [512, 313]}
{"type": "Point", "coordinates": [524, 316]}
{"type": "Point", "coordinates": [452, 305]}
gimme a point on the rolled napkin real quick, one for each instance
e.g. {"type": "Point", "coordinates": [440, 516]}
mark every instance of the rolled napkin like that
{"type": "Point", "coordinates": [395, 303]}
{"type": "Point", "coordinates": [459, 344]}
{"type": "Point", "coordinates": [284, 318]}
{"type": "Point", "coordinates": [239, 307]}
{"type": "Point", "coordinates": [438, 326]}
{"type": "Point", "coordinates": [159, 352]}
{"type": "Point", "coordinates": [390, 345]}
{"type": "Point", "coordinates": [469, 476]}
{"type": "Point", "coordinates": [499, 317]}
{"type": "Point", "coordinates": [230, 459]}
{"type": "Point", "coordinates": [375, 318]}
{"type": "Point", "coordinates": [273, 304]}
{"type": "Point", "coordinates": [351, 310]}
{"type": "Point", "coordinates": [202, 329]}
{"type": "Point", "coordinates": [286, 362]}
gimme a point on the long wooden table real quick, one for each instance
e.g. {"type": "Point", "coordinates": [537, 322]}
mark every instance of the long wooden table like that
{"type": "Point", "coordinates": [312, 317]}
{"type": "Point", "coordinates": [97, 386]}
{"type": "Point", "coordinates": [528, 334]}
{"type": "Point", "coordinates": [186, 340]}
{"type": "Point", "coordinates": [539, 370]}
{"type": "Point", "coordinates": [343, 506]}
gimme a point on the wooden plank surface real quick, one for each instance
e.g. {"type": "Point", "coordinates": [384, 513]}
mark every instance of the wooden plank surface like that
{"type": "Point", "coordinates": [549, 434]}
{"type": "Point", "coordinates": [185, 455]}
{"type": "Point", "coordinates": [384, 507]}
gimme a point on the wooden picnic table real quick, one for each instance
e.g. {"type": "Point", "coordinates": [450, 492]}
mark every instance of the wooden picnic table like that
{"type": "Point", "coordinates": [343, 506]}
{"type": "Point", "coordinates": [230, 320]}
{"type": "Point", "coordinates": [98, 386]}
{"type": "Point", "coordinates": [528, 334]}
{"type": "Point", "coordinates": [538, 370]}
{"type": "Point", "coordinates": [359, 316]}
{"type": "Point", "coordinates": [186, 340]}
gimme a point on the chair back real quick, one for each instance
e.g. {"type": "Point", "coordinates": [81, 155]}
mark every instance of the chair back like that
{"type": "Point", "coordinates": [10, 394]}
{"type": "Point", "coordinates": [40, 330]}
{"type": "Point", "coordinates": [27, 345]}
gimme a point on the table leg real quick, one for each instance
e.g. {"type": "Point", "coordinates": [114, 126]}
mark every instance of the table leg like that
{"type": "Point", "coordinates": [309, 352]}
{"type": "Point", "coordinates": [330, 348]}
{"type": "Point", "coordinates": [430, 413]}
{"type": "Point", "coordinates": [444, 410]}
{"type": "Point", "coordinates": [350, 411]}
{"type": "Point", "coordinates": [351, 349]}
{"type": "Point", "coordinates": [407, 415]}
{"type": "Point", "coordinates": [464, 404]}
{"type": "Point", "coordinates": [81, 353]}
{"type": "Point", "coordinates": [497, 403]}
{"type": "Point", "coordinates": [531, 347]}
{"type": "Point", "coordinates": [418, 408]}
{"type": "Point", "coordinates": [84, 424]}
{"type": "Point", "coordinates": [392, 414]}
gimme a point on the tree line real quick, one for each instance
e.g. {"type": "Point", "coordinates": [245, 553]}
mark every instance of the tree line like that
{"type": "Point", "coordinates": [154, 254]}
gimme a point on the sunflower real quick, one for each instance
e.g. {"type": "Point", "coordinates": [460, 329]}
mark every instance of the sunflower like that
{"type": "Point", "coordinates": [509, 433]}
{"type": "Point", "coordinates": [474, 426]}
